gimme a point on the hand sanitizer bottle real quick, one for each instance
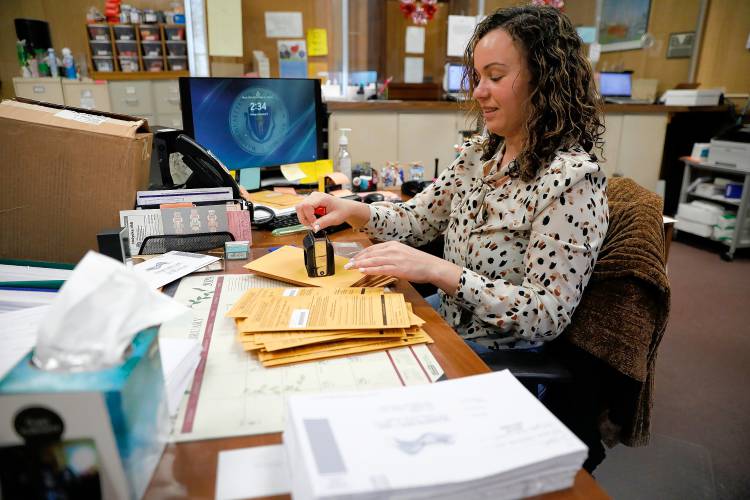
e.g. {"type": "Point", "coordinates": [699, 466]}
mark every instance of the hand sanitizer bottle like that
{"type": "Point", "coordinates": [69, 64]}
{"type": "Point", "coordinates": [343, 160]}
{"type": "Point", "coordinates": [52, 62]}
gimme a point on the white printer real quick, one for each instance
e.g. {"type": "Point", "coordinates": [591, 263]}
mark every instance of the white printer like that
{"type": "Point", "coordinates": [731, 149]}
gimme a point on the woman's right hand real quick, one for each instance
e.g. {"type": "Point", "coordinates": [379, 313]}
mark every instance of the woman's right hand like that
{"type": "Point", "coordinates": [337, 211]}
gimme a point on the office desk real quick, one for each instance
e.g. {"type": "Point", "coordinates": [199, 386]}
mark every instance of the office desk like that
{"type": "Point", "coordinates": [188, 470]}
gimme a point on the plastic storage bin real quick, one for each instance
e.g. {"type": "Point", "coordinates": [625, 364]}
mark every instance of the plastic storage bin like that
{"type": "Point", "coordinates": [103, 63]}
{"type": "Point", "coordinates": [127, 48]}
{"type": "Point", "coordinates": [177, 63]}
{"type": "Point", "coordinates": [150, 33]}
{"type": "Point", "coordinates": [100, 48]}
{"type": "Point", "coordinates": [151, 49]}
{"type": "Point", "coordinates": [99, 32]}
{"type": "Point", "coordinates": [128, 64]}
{"type": "Point", "coordinates": [153, 63]}
{"type": "Point", "coordinates": [124, 32]}
{"type": "Point", "coordinates": [177, 48]}
{"type": "Point", "coordinates": [175, 33]}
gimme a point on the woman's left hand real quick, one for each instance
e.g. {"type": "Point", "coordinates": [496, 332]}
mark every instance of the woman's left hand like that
{"type": "Point", "coordinates": [402, 261]}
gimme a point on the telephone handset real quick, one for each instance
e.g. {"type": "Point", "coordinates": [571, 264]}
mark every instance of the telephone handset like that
{"type": "Point", "coordinates": [207, 170]}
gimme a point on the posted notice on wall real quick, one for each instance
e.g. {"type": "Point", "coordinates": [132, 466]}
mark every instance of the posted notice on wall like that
{"type": "Point", "coordinates": [415, 40]}
{"type": "Point", "coordinates": [460, 29]}
{"type": "Point", "coordinates": [284, 24]}
{"type": "Point", "coordinates": [413, 69]}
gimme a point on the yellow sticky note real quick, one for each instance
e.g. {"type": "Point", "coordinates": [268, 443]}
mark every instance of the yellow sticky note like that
{"type": "Point", "coordinates": [316, 169]}
{"type": "Point", "coordinates": [317, 69]}
{"type": "Point", "coordinates": [292, 172]}
{"type": "Point", "coordinates": [317, 42]}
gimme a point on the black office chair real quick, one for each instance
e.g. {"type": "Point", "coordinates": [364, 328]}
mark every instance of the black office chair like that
{"type": "Point", "coordinates": [599, 373]}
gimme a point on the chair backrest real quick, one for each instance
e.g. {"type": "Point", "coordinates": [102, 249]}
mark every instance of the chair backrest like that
{"type": "Point", "coordinates": [623, 311]}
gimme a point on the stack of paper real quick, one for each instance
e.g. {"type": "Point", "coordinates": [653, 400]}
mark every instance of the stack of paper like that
{"type": "Point", "coordinates": [289, 325]}
{"type": "Point", "coordinates": [484, 436]}
{"type": "Point", "coordinates": [179, 358]}
{"type": "Point", "coordinates": [288, 264]}
{"type": "Point", "coordinates": [18, 335]}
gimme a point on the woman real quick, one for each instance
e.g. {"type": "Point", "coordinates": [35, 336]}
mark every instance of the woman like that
{"type": "Point", "coordinates": [523, 210]}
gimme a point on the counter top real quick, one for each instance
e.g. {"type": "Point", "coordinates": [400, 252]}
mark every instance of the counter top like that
{"type": "Point", "coordinates": [464, 106]}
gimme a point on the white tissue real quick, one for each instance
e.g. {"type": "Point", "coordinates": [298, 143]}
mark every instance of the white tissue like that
{"type": "Point", "coordinates": [96, 314]}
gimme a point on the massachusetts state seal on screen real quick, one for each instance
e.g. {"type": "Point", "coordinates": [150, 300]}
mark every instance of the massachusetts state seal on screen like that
{"type": "Point", "coordinates": [258, 120]}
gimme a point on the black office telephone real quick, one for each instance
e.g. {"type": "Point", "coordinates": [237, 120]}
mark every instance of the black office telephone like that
{"type": "Point", "coordinates": [207, 170]}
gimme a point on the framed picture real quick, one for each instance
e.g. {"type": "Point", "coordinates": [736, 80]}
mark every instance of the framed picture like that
{"type": "Point", "coordinates": [622, 24]}
{"type": "Point", "coordinates": [680, 45]}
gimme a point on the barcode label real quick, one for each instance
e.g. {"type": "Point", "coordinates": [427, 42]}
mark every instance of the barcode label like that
{"type": "Point", "coordinates": [81, 117]}
{"type": "Point", "coordinates": [299, 318]}
{"type": "Point", "coordinates": [291, 292]}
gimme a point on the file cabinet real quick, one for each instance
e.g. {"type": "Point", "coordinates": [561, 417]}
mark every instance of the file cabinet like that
{"type": "Point", "coordinates": [87, 95]}
{"type": "Point", "coordinates": [47, 89]}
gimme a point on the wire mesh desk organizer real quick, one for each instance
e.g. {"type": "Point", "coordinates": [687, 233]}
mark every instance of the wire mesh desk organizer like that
{"type": "Point", "coordinates": [184, 242]}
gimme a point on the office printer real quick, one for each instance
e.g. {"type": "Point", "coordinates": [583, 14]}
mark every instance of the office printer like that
{"type": "Point", "coordinates": [731, 149]}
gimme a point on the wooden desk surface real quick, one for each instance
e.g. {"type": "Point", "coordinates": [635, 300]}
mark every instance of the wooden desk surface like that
{"type": "Point", "coordinates": [188, 470]}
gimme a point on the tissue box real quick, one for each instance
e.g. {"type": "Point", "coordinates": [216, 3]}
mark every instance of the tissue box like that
{"type": "Point", "coordinates": [106, 427]}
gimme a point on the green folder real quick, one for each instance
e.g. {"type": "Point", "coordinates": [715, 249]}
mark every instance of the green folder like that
{"type": "Point", "coordinates": [34, 284]}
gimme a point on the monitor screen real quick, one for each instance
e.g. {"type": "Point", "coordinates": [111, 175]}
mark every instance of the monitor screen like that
{"type": "Point", "coordinates": [454, 73]}
{"type": "Point", "coordinates": [254, 122]}
{"type": "Point", "coordinates": [614, 84]}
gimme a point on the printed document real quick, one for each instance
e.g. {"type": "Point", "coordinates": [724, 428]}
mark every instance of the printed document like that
{"type": "Point", "coordinates": [171, 266]}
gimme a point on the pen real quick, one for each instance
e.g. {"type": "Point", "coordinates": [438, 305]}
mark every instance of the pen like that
{"type": "Point", "coordinates": [281, 231]}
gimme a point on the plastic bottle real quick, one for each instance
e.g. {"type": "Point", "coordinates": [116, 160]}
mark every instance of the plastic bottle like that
{"type": "Point", "coordinates": [69, 64]}
{"type": "Point", "coordinates": [41, 60]}
{"type": "Point", "coordinates": [343, 159]}
{"type": "Point", "coordinates": [52, 62]}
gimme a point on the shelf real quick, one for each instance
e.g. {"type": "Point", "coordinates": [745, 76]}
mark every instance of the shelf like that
{"type": "Point", "coordinates": [719, 198]}
{"type": "Point", "coordinates": [137, 75]}
{"type": "Point", "coordinates": [694, 163]}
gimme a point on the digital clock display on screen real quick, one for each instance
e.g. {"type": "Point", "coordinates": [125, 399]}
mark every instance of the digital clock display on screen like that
{"type": "Point", "coordinates": [249, 122]}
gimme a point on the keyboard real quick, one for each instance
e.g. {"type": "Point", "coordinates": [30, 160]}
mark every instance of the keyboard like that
{"type": "Point", "coordinates": [284, 220]}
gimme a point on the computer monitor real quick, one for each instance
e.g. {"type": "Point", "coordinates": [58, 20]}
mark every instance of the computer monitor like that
{"type": "Point", "coordinates": [254, 122]}
{"type": "Point", "coordinates": [615, 84]}
{"type": "Point", "coordinates": [453, 75]}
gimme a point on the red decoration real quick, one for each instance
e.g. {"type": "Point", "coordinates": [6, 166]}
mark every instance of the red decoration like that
{"type": "Point", "coordinates": [558, 4]}
{"type": "Point", "coordinates": [420, 11]}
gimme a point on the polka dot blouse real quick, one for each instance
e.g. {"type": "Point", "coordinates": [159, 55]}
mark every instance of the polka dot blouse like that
{"type": "Point", "coordinates": [527, 249]}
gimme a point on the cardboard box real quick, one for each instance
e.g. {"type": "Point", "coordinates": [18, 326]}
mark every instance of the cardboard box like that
{"type": "Point", "coordinates": [64, 176]}
{"type": "Point", "coordinates": [83, 429]}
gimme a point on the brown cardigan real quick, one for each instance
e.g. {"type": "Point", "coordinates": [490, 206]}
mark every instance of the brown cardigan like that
{"type": "Point", "coordinates": [623, 312]}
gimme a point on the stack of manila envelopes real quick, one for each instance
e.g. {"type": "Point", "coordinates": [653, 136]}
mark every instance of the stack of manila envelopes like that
{"type": "Point", "coordinates": [290, 325]}
{"type": "Point", "coordinates": [288, 264]}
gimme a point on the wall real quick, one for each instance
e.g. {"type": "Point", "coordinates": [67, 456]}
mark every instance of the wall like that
{"type": "Point", "coordinates": [67, 26]}
{"type": "Point", "coordinates": [724, 60]}
{"type": "Point", "coordinates": [436, 39]}
{"type": "Point", "coordinates": [665, 17]}
{"type": "Point", "coordinates": [315, 14]}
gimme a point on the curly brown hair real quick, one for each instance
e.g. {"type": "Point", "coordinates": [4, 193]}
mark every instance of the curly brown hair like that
{"type": "Point", "coordinates": [564, 106]}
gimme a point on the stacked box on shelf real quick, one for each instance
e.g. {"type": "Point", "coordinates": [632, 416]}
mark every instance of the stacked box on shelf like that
{"type": "Point", "coordinates": [126, 43]}
{"type": "Point", "coordinates": [152, 47]}
{"type": "Point", "coordinates": [176, 52]}
{"type": "Point", "coordinates": [100, 44]}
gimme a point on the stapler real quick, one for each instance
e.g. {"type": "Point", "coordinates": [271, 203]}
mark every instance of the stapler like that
{"type": "Point", "coordinates": [318, 252]}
